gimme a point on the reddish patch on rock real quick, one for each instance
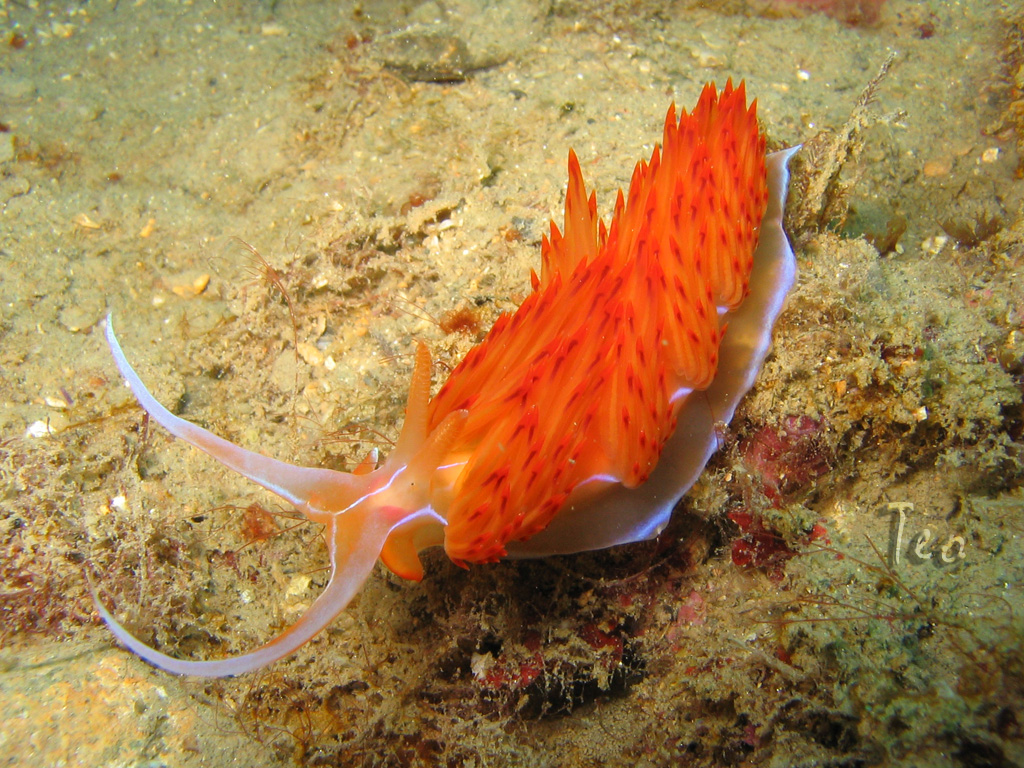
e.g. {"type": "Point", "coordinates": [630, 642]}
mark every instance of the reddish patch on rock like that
{"type": "Point", "coordinates": [604, 643]}
{"type": "Point", "coordinates": [819, 533]}
{"type": "Point", "coordinates": [787, 457]}
{"type": "Point", "coordinates": [514, 676]}
{"type": "Point", "coordinates": [759, 546]}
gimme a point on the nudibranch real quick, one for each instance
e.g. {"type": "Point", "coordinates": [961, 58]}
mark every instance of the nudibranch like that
{"type": "Point", "coordinates": [585, 415]}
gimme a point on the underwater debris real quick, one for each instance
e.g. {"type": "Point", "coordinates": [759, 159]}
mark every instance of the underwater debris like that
{"type": "Point", "coordinates": [821, 191]}
{"type": "Point", "coordinates": [972, 225]}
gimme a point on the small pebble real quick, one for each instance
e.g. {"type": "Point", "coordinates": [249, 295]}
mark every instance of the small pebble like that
{"type": "Point", "coordinates": [310, 354]}
{"type": "Point", "coordinates": [194, 288]}
{"type": "Point", "coordinates": [935, 168]}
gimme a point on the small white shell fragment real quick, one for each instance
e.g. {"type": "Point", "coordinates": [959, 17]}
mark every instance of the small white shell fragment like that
{"type": "Point", "coordinates": [84, 221]}
{"type": "Point", "coordinates": [480, 664]}
{"type": "Point", "coordinates": [120, 503]}
{"type": "Point", "coordinates": [932, 245]}
{"type": "Point", "coordinates": [298, 585]}
{"type": "Point", "coordinates": [55, 402]}
{"type": "Point", "coordinates": [39, 429]}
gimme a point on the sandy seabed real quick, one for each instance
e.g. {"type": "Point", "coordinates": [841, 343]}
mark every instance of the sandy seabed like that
{"type": "Point", "coordinates": [842, 587]}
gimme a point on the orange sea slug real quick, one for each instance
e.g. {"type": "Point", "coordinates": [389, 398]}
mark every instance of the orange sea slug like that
{"type": "Point", "coordinates": [585, 415]}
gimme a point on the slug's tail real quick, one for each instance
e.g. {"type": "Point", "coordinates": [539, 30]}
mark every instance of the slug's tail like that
{"type": "Point", "coordinates": [365, 514]}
